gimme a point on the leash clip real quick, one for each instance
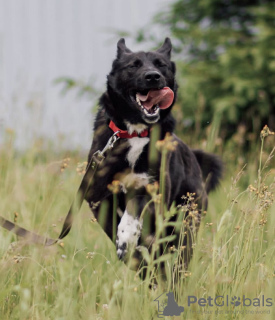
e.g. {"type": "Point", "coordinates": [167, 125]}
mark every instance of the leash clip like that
{"type": "Point", "coordinates": [110, 143]}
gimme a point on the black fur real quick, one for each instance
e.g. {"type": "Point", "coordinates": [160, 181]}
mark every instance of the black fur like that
{"type": "Point", "coordinates": [211, 166]}
{"type": "Point", "coordinates": [185, 167]}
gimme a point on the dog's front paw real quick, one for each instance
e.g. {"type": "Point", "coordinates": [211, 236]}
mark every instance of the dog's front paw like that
{"type": "Point", "coordinates": [121, 250]}
{"type": "Point", "coordinates": [128, 233]}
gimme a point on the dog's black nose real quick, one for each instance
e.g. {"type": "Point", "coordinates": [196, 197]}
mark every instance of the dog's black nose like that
{"type": "Point", "coordinates": [152, 76]}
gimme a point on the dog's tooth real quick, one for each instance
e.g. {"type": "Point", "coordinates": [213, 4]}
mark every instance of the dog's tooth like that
{"type": "Point", "coordinates": [138, 101]}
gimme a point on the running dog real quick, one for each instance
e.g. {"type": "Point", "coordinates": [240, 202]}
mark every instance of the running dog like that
{"type": "Point", "coordinates": [141, 91]}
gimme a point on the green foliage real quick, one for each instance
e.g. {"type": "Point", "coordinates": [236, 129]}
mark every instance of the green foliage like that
{"type": "Point", "coordinates": [226, 62]}
{"type": "Point", "coordinates": [83, 279]}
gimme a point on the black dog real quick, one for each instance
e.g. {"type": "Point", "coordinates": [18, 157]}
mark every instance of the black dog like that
{"type": "Point", "coordinates": [141, 90]}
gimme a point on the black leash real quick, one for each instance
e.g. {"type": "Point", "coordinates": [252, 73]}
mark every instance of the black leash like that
{"type": "Point", "coordinates": [97, 158]}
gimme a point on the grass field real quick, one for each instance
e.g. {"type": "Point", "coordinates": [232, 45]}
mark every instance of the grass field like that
{"type": "Point", "coordinates": [82, 278]}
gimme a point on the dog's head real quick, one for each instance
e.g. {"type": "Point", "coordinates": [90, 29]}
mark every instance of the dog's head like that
{"type": "Point", "coordinates": [141, 85]}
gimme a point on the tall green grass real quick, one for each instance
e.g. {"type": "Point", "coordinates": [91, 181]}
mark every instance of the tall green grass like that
{"type": "Point", "coordinates": [81, 278]}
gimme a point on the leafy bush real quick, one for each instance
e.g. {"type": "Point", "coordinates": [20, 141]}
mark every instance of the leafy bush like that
{"type": "Point", "coordinates": [226, 64]}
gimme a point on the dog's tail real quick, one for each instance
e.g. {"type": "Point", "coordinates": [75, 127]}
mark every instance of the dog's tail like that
{"type": "Point", "coordinates": [211, 167]}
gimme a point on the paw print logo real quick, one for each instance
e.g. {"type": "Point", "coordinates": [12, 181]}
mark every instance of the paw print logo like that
{"type": "Point", "coordinates": [236, 301]}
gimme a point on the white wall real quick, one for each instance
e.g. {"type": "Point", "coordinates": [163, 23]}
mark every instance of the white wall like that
{"type": "Point", "coordinates": [41, 40]}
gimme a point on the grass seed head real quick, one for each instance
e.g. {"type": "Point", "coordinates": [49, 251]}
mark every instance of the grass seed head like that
{"type": "Point", "coordinates": [81, 167]}
{"type": "Point", "coordinates": [90, 255]}
{"type": "Point", "coordinates": [153, 188]}
{"type": "Point", "coordinates": [15, 216]}
{"type": "Point", "coordinates": [114, 187]}
{"type": "Point", "coordinates": [64, 164]}
{"type": "Point", "coordinates": [266, 132]}
{"type": "Point", "coordinates": [168, 144]}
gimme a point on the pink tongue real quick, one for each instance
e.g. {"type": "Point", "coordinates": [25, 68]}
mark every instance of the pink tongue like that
{"type": "Point", "coordinates": [163, 98]}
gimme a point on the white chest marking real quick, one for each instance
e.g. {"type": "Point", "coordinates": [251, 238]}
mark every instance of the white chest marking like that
{"type": "Point", "coordinates": [136, 147]}
{"type": "Point", "coordinates": [139, 127]}
{"type": "Point", "coordinates": [134, 180]}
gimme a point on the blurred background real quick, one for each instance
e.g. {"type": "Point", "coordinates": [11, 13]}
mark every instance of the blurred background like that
{"type": "Point", "coordinates": [41, 41]}
{"type": "Point", "coordinates": [55, 55]}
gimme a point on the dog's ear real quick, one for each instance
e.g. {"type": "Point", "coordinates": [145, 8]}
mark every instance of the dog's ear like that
{"type": "Point", "coordinates": [121, 48]}
{"type": "Point", "coordinates": [166, 48]}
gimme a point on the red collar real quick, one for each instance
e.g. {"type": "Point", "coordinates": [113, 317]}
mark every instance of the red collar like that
{"type": "Point", "coordinates": [124, 134]}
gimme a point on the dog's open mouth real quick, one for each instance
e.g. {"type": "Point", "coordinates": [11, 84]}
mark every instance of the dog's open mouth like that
{"type": "Point", "coordinates": [153, 100]}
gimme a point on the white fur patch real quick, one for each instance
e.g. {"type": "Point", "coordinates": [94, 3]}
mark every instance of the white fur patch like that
{"type": "Point", "coordinates": [139, 127]}
{"type": "Point", "coordinates": [134, 180]}
{"type": "Point", "coordinates": [136, 147]}
{"type": "Point", "coordinates": [128, 233]}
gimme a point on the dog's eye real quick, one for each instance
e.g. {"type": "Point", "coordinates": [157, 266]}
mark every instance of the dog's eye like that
{"type": "Point", "coordinates": [135, 64]}
{"type": "Point", "coordinates": [159, 64]}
